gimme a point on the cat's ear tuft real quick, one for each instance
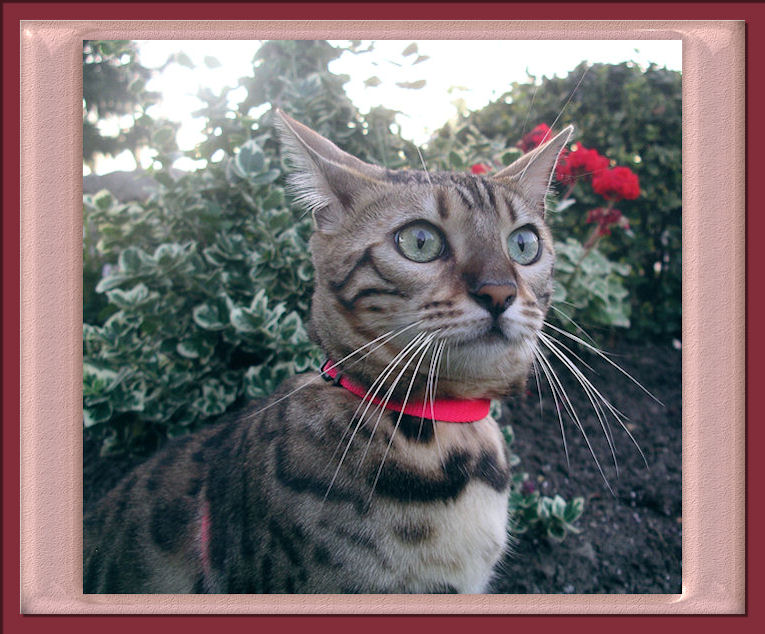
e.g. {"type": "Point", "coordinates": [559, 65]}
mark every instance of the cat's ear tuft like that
{"type": "Point", "coordinates": [533, 172]}
{"type": "Point", "coordinates": [326, 180]}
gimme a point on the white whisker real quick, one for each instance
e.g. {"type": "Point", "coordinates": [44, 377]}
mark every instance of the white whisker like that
{"type": "Point", "coordinates": [427, 387]}
{"type": "Point", "coordinates": [528, 112]}
{"type": "Point", "coordinates": [618, 415]}
{"type": "Point", "coordinates": [570, 97]}
{"type": "Point", "coordinates": [600, 353]}
{"type": "Point", "coordinates": [337, 364]}
{"type": "Point", "coordinates": [389, 367]}
{"type": "Point", "coordinates": [588, 389]}
{"type": "Point", "coordinates": [424, 347]}
{"type": "Point", "coordinates": [553, 391]}
{"type": "Point", "coordinates": [572, 412]}
{"type": "Point", "coordinates": [422, 344]}
{"type": "Point", "coordinates": [571, 321]}
{"type": "Point", "coordinates": [424, 167]}
{"type": "Point", "coordinates": [433, 388]}
{"type": "Point", "coordinates": [391, 334]}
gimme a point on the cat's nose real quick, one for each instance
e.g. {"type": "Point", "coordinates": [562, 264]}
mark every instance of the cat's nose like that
{"type": "Point", "coordinates": [496, 298]}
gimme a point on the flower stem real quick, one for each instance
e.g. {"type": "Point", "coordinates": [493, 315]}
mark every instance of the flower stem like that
{"type": "Point", "coordinates": [589, 245]}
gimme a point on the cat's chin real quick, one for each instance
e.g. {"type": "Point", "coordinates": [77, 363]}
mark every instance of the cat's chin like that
{"type": "Point", "coordinates": [488, 366]}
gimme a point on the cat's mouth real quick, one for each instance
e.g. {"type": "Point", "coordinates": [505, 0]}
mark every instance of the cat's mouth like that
{"type": "Point", "coordinates": [482, 332]}
{"type": "Point", "coordinates": [493, 334]}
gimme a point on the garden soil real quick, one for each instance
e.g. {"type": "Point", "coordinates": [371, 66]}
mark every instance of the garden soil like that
{"type": "Point", "coordinates": [630, 536]}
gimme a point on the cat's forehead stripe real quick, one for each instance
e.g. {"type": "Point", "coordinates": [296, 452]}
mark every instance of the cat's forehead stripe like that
{"type": "Point", "coordinates": [507, 197]}
{"type": "Point", "coordinates": [442, 204]}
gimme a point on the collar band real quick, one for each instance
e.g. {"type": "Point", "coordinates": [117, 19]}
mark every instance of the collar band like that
{"type": "Point", "coordinates": [442, 410]}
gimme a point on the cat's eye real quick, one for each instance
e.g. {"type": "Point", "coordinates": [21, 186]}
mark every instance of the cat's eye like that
{"type": "Point", "coordinates": [420, 242]}
{"type": "Point", "coordinates": [523, 245]}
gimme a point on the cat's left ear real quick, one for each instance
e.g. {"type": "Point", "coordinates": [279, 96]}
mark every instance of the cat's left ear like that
{"type": "Point", "coordinates": [533, 172]}
{"type": "Point", "coordinates": [326, 179]}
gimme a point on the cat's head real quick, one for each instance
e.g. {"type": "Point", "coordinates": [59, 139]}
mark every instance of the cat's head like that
{"type": "Point", "coordinates": [460, 264]}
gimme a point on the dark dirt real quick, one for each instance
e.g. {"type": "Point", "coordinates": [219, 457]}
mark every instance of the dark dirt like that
{"type": "Point", "coordinates": [630, 541]}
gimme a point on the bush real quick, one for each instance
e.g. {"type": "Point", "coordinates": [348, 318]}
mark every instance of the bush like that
{"type": "Point", "coordinates": [552, 517]}
{"type": "Point", "coordinates": [207, 303]}
{"type": "Point", "coordinates": [195, 300]}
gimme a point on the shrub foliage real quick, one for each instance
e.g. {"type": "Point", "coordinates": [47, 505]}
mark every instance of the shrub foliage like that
{"type": "Point", "coordinates": [196, 299]}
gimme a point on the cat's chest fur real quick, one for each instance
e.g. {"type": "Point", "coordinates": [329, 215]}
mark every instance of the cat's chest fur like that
{"type": "Point", "coordinates": [393, 505]}
{"type": "Point", "coordinates": [467, 540]}
{"type": "Point", "coordinates": [438, 516]}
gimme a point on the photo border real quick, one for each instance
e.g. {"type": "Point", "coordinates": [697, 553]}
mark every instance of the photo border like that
{"type": "Point", "coordinates": [50, 326]}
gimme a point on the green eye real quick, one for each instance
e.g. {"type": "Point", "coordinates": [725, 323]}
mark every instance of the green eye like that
{"type": "Point", "coordinates": [523, 245]}
{"type": "Point", "coordinates": [420, 242]}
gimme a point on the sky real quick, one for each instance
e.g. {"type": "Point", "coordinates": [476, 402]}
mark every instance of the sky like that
{"type": "Point", "coordinates": [456, 72]}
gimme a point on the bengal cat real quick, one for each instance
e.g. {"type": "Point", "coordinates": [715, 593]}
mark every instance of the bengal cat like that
{"type": "Point", "coordinates": [385, 472]}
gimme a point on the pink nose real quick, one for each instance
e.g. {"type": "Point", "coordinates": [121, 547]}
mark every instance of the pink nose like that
{"type": "Point", "coordinates": [496, 298]}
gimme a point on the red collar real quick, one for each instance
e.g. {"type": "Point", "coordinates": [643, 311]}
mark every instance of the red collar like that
{"type": "Point", "coordinates": [442, 410]}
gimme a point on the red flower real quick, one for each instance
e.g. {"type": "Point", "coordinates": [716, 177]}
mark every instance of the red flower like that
{"type": "Point", "coordinates": [619, 183]}
{"type": "Point", "coordinates": [580, 162]}
{"type": "Point", "coordinates": [536, 137]}
{"type": "Point", "coordinates": [480, 168]}
{"type": "Point", "coordinates": [607, 218]}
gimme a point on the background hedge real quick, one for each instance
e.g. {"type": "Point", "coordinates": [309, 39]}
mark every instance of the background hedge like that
{"type": "Point", "coordinates": [195, 298]}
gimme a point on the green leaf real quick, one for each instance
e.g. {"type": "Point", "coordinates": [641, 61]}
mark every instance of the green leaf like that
{"type": "Point", "coordinates": [558, 507]}
{"type": "Point", "coordinates": [511, 156]}
{"type": "Point", "coordinates": [257, 382]}
{"type": "Point", "coordinates": [305, 272]}
{"type": "Point", "coordinates": [410, 50]}
{"type": "Point", "coordinates": [266, 177]}
{"type": "Point", "coordinates": [131, 401]}
{"type": "Point", "coordinates": [195, 348]}
{"type": "Point", "coordinates": [183, 59]}
{"type": "Point", "coordinates": [412, 85]}
{"type": "Point", "coordinates": [559, 294]}
{"type": "Point", "coordinates": [455, 160]}
{"type": "Point", "coordinates": [96, 414]}
{"type": "Point", "coordinates": [556, 530]}
{"type": "Point", "coordinates": [249, 160]}
{"type": "Point", "coordinates": [289, 325]}
{"type": "Point", "coordinates": [103, 200]}
{"type": "Point", "coordinates": [137, 86]}
{"type": "Point", "coordinates": [163, 136]}
{"type": "Point", "coordinates": [132, 299]}
{"type": "Point", "coordinates": [98, 379]}
{"type": "Point", "coordinates": [574, 510]}
{"type": "Point", "coordinates": [246, 321]}
{"type": "Point", "coordinates": [133, 260]}
{"type": "Point", "coordinates": [275, 198]}
{"type": "Point", "coordinates": [211, 315]}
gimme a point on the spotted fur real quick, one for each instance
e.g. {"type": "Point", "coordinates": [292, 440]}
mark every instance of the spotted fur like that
{"type": "Point", "coordinates": [306, 492]}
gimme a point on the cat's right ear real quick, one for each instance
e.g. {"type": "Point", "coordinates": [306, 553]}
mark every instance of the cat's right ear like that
{"type": "Point", "coordinates": [534, 171]}
{"type": "Point", "coordinates": [326, 180]}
